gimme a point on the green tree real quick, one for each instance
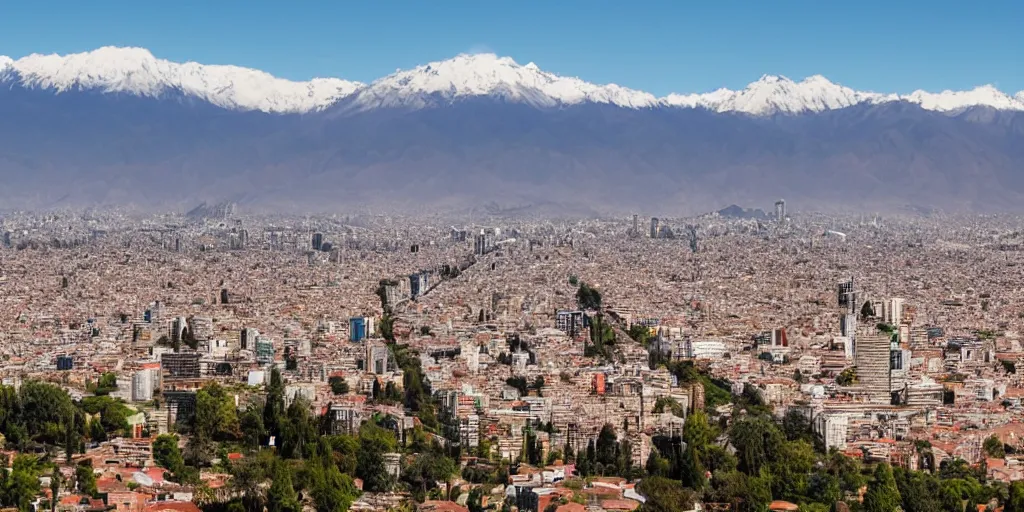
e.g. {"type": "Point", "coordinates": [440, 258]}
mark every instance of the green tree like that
{"type": "Point", "coordinates": [216, 416]}
{"type": "Point", "coordinates": [474, 503]}
{"type": "Point", "coordinates": [106, 384]}
{"type": "Point", "coordinates": [760, 491]}
{"type": "Point", "coordinates": [698, 432]}
{"type": "Point", "coordinates": [114, 418]}
{"type": "Point", "coordinates": [20, 486]}
{"type": "Point", "coordinates": [374, 442]}
{"type": "Point", "coordinates": [823, 487]}
{"type": "Point", "coordinates": [882, 495]}
{"type": "Point", "coordinates": [994, 447]}
{"type": "Point", "coordinates": [664, 495]}
{"type": "Point", "coordinates": [847, 470]}
{"type": "Point", "coordinates": [167, 454]}
{"type": "Point", "coordinates": [1015, 499]}
{"type": "Point", "coordinates": [41, 408]}
{"type": "Point", "coordinates": [281, 497]}
{"type": "Point", "coordinates": [199, 452]}
{"type": "Point", "coordinates": [757, 441]}
{"type": "Point", "coordinates": [332, 491]}
{"type": "Point", "coordinates": [796, 426]}
{"type": "Point", "coordinates": [298, 429]}
{"type": "Point", "coordinates": [71, 439]}
{"type": "Point", "coordinates": [85, 478]}
{"type": "Point", "coordinates": [273, 409]}
{"type": "Point", "coordinates": [587, 297]}
{"type": "Point", "coordinates": [56, 481]}
{"type": "Point", "coordinates": [791, 468]}
{"type": "Point", "coordinates": [669, 404]}
{"type": "Point", "coordinates": [692, 471]}
{"type": "Point", "coordinates": [249, 477]}
{"type": "Point", "coordinates": [426, 470]}
{"type": "Point", "coordinates": [96, 431]}
{"type": "Point", "coordinates": [339, 386]}
{"type": "Point", "coordinates": [251, 425]}
{"type": "Point", "coordinates": [640, 334]}
{"type": "Point", "coordinates": [607, 443]}
{"type": "Point", "coordinates": [919, 491]}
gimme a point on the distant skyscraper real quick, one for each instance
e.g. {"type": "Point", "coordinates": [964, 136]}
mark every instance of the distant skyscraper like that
{"type": "Point", "coordinates": [847, 296]}
{"type": "Point", "coordinates": [780, 210]}
{"type": "Point", "coordinates": [318, 241]}
{"type": "Point", "coordinates": [655, 227]}
{"type": "Point", "coordinates": [636, 224]}
{"type": "Point", "coordinates": [356, 328]}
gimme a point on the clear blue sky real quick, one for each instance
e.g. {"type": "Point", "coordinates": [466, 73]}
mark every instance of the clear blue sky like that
{"type": "Point", "coordinates": [661, 47]}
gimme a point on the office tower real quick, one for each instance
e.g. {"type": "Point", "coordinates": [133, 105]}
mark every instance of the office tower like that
{"type": "Point", "coordinates": [847, 296]}
{"type": "Point", "coordinates": [318, 241]}
{"type": "Point", "coordinates": [356, 328]}
{"type": "Point", "coordinates": [264, 350]}
{"type": "Point", "coordinates": [180, 365]}
{"type": "Point", "coordinates": [248, 338]}
{"type": "Point", "coordinates": [376, 359]}
{"type": "Point", "coordinates": [65, 363]}
{"type": "Point", "coordinates": [780, 210]}
{"type": "Point", "coordinates": [655, 227]}
{"type": "Point", "coordinates": [873, 360]}
{"type": "Point", "coordinates": [178, 327]}
{"type": "Point", "coordinates": [414, 285]}
{"type": "Point", "coordinates": [142, 385]}
{"type": "Point", "coordinates": [893, 313]}
{"type": "Point", "coordinates": [636, 224]}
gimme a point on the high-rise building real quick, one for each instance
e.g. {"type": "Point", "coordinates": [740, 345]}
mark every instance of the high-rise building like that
{"type": "Point", "coordinates": [376, 359]}
{"type": "Point", "coordinates": [874, 370]}
{"type": "Point", "coordinates": [264, 350]}
{"type": "Point", "coordinates": [483, 243]}
{"type": "Point", "coordinates": [356, 328]}
{"type": "Point", "coordinates": [248, 338]}
{"type": "Point", "coordinates": [318, 241]}
{"type": "Point", "coordinates": [780, 210]}
{"type": "Point", "coordinates": [418, 283]}
{"type": "Point", "coordinates": [893, 311]}
{"type": "Point", "coordinates": [180, 365]}
{"type": "Point", "coordinates": [847, 296]}
{"type": "Point", "coordinates": [142, 385]}
{"type": "Point", "coordinates": [636, 224]}
{"type": "Point", "coordinates": [569, 322]}
{"type": "Point", "coordinates": [65, 362]}
{"type": "Point", "coordinates": [655, 227]}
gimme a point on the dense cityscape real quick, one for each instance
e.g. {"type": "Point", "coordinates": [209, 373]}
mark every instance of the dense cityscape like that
{"type": "Point", "coordinates": [738, 360]}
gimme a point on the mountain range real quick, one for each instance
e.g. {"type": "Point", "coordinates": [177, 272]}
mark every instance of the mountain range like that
{"type": "Point", "coordinates": [120, 126]}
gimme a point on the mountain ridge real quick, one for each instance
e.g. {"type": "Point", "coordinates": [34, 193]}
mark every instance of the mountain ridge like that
{"type": "Point", "coordinates": [439, 83]}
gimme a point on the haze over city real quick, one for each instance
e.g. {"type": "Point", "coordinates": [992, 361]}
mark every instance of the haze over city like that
{"type": "Point", "coordinates": [533, 257]}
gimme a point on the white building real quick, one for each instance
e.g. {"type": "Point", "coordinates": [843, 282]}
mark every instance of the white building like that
{"type": "Point", "coordinates": [709, 349]}
{"type": "Point", "coordinates": [142, 385]}
{"type": "Point", "coordinates": [833, 428]}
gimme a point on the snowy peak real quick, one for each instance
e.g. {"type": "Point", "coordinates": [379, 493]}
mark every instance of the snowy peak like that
{"type": "Point", "coordinates": [477, 75]}
{"type": "Point", "coordinates": [773, 94]}
{"type": "Point", "coordinates": [952, 101]}
{"type": "Point", "coordinates": [136, 71]}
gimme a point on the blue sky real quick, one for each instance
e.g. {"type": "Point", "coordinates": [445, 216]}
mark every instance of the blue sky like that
{"type": "Point", "coordinates": [660, 47]}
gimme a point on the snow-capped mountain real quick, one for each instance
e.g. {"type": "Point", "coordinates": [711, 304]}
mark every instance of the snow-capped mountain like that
{"type": "Point", "coordinates": [468, 76]}
{"type": "Point", "coordinates": [778, 94]}
{"type": "Point", "coordinates": [136, 71]}
{"type": "Point", "coordinates": [951, 101]}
